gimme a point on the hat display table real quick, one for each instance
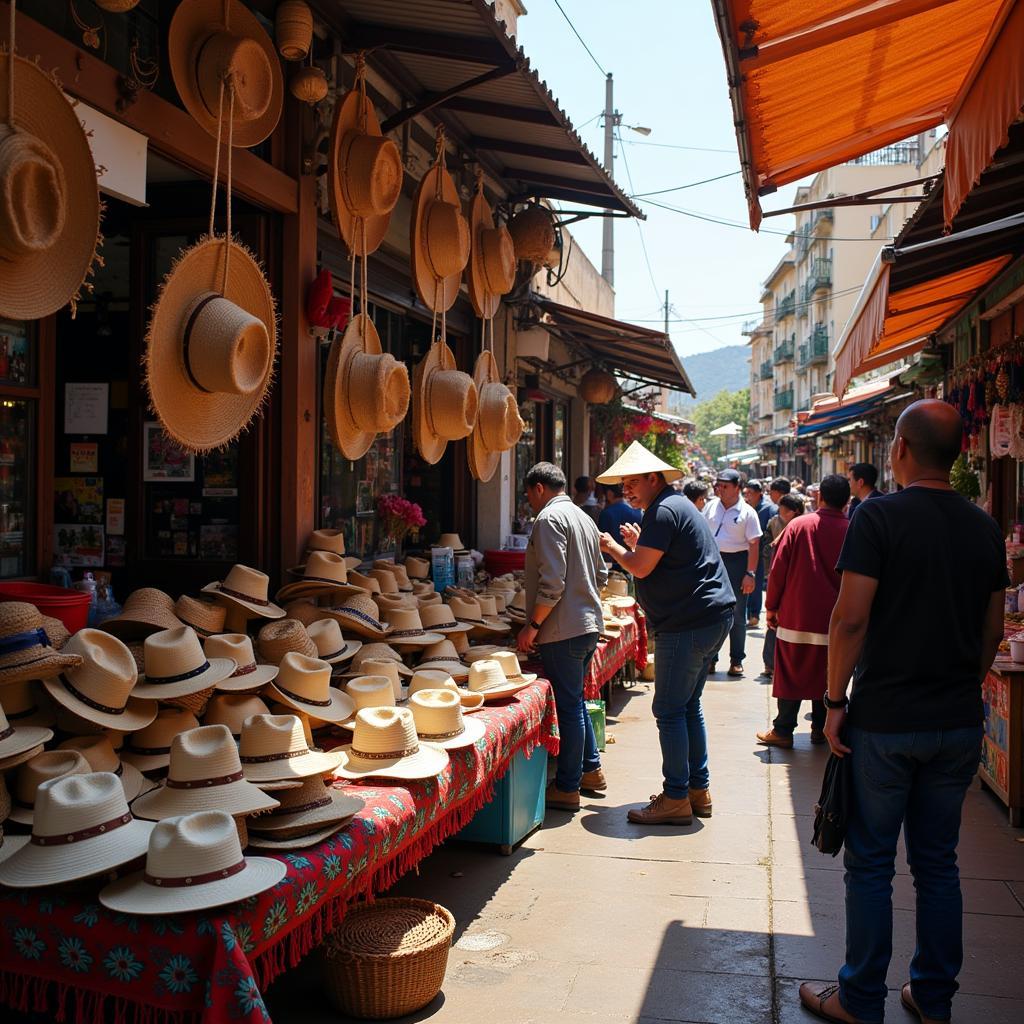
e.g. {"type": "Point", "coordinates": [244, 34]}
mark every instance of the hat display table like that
{"type": "Point", "coordinates": [60, 951]}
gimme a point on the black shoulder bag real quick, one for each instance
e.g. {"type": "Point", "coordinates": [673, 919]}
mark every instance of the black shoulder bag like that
{"type": "Point", "coordinates": [831, 813]}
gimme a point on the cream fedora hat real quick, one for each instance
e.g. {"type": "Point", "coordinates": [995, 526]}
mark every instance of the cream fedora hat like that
{"type": "Point", "coordinates": [82, 827]}
{"type": "Point", "coordinates": [407, 629]}
{"type": "Point", "coordinates": [487, 677]}
{"type": "Point", "coordinates": [444, 403]}
{"type": "Point", "coordinates": [26, 704]}
{"type": "Point", "coordinates": [375, 652]}
{"type": "Point", "coordinates": [439, 618]}
{"type": "Point", "coordinates": [19, 741]}
{"type": "Point", "coordinates": [149, 749]}
{"type": "Point", "coordinates": [233, 709]}
{"type": "Point", "coordinates": [489, 606]}
{"type": "Point", "coordinates": [194, 862]}
{"type": "Point", "coordinates": [204, 773]}
{"type": "Point", "coordinates": [418, 568]}
{"type": "Point", "coordinates": [100, 753]}
{"type": "Point", "coordinates": [205, 617]}
{"type": "Point", "coordinates": [498, 423]}
{"type": "Point", "coordinates": [247, 675]}
{"type": "Point", "coordinates": [102, 689]}
{"type": "Point", "coordinates": [273, 748]}
{"type": "Point", "coordinates": [360, 615]}
{"type": "Point", "coordinates": [440, 679]}
{"type": "Point", "coordinates": [25, 650]}
{"type": "Point", "coordinates": [285, 636]}
{"type": "Point", "coordinates": [323, 573]}
{"type": "Point", "coordinates": [375, 667]}
{"type": "Point", "coordinates": [176, 666]}
{"type": "Point", "coordinates": [305, 684]}
{"type": "Point", "coordinates": [439, 719]}
{"type": "Point", "coordinates": [385, 744]}
{"type": "Point", "coordinates": [509, 662]}
{"type": "Point", "coordinates": [247, 589]}
{"type": "Point", "coordinates": [331, 646]}
{"type": "Point", "coordinates": [444, 657]}
{"type": "Point", "coordinates": [635, 461]}
{"type": "Point", "coordinates": [369, 691]}
{"type": "Point", "coordinates": [307, 809]}
{"type": "Point", "coordinates": [146, 611]}
{"type": "Point", "coordinates": [50, 764]}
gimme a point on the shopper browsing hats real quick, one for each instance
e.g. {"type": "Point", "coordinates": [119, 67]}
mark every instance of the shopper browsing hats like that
{"type": "Point", "coordinates": [307, 814]}
{"type": "Point", "coordinates": [25, 651]}
{"type": "Point", "coordinates": [49, 764]}
{"type": "Point", "coordinates": [247, 675]}
{"type": "Point", "coordinates": [102, 757]}
{"type": "Point", "coordinates": [385, 745]}
{"type": "Point", "coordinates": [176, 666]}
{"type": "Point", "coordinates": [439, 720]}
{"type": "Point", "coordinates": [245, 590]}
{"type": "Point", "coordinates": [233, 709]}
{"type": "Point", "coordinates": [273, 748]}
{"type": "Point", "coordinates": [305, 685]}
{"type": "Point", "coordinates": [149, 749]}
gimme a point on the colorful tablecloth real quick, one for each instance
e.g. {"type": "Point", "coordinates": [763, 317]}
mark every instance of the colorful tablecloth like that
{"type": "Point", "coordinates": [63, 954]}
{"type": "Point", "coordinates": [609, 657]}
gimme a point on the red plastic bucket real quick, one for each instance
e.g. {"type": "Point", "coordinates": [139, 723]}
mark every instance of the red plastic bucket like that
{"type": "Point", "coordinates": [70, 606]}
{"type": "Point", "coordinates": [500, 562]}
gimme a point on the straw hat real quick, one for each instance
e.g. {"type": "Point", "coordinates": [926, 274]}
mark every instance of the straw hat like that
{"type": "Point", "coordinates": [305, 684]}
{"type": "Point", "coordinates": [440, 239]}
{"type": "Point", "coordinates": [444, 403]}
{"type": "Point", "coordinates": [304, 611]}
{"type": "Point", "coordinates": [482, 652]}
{"type": "Point", "coordinates": [308, 724]}
{"type": "Point", "coordinates": [176, 666]}
{"type": "Point", "coordinates": [149, 749]}
{"type": "Point", "coordinates": [247, 589]}
{"type": "Point", "coordinates": [17, 740]}
{"type": "Point", "coordinates": [305, 809]}
{"type": "Point", "coordinates": [487, 677]}
{"type": "Point", "coordinates": [418, 568]}
{"type": "Point", "coordinates": [509, 662]}
{"type": "Point", "coordinates": [439, 720]}
{"type": "Point", "coordinates": [276, 639]}
{"type": "Point", "coordinates": [489, 606]}
{"type": "Point", "coordinates": [364, 174]}
{"type": "Point", "coordinates": [469, 611]}
{"type": "Point", "coordinates": [273, 748]}
{"type": "Point", "coordinates": [204, 772]}
{"type": "Point", "coordinates": [56, 632]}
{"type": "Point", "coordinates": [304, 840]}
{"type": "Point", "coordinates": [146, 611]}
{"type": "Point", "coordinates": [326, 540]}
{"type": "Point", "coordinates": [365, 583]}
{"type": "Point", "coordinates": [499, 598]}
{"type": "Point", "coordinates": [331, 646]}
{"type": "Point", "coordinates": [26, 704]}
{"type": "Point", "coordinates": [210, 345]}
{"type": "Point", "coordinates": [460, 641]}
{"type": "Point", "coordinates": [194, 862]}
{"type": "Point", "coordinates": [293, 27]}
{"type": "Point", "coordinates": [237, 647]}
{"type": "Point", "coordinates": [390, 670]}
{"type": "Point", "coordinates": [439, 618]}
{"type": "Point", "coordinates": [324, 573]}
{"type": "Point", "coordinates": [617, 586]}
{"type": "Point", "coordinates": [232, 710]}
{"type": "Point", "coordinates": [25, 651]}
{"type": "Point", "coordinates": [102, 757]}
{"type": "Point", "coordinates": [366, 389]}
{"type": "Point", "coordinates": [407, 628]}
{"type": "Point", "coordinates": [204, 51]}
{"type": "Point", "coordinates": [387, 581]}
{"type": "Point", "coordinates": [440, 679]}
{"type": "Point", "coordinates": [422, 587]}
{"type": "Point", "coordinates": [425, 600]}
{"type": "Point", "coordinates": [369, 691]}
{"type": "Point", "coordinates": [385, 744]}
{"type": "Point", "coordinates": [498, 423]}
{"type": "Point", "coordinates": [101, 689]}
{"type": "Point", "coordinates": [386, 601]}
{"type": "Point", "coordinates": [49, 199]}
{"type": "Point", "coordinates": [50, 764]}
{"type": "Point", "coordinates": [376, 652]}
{"type": "Point", "coordinates": [491, 272]}
{"type": "Point", "coordinates": [204, 617]}
{"type": "Point", "coordinates": [635, 461]}
{"type": "Point", "coordinates": [453, 541]}
{"type": "Point", "coordinates": [398, 571]}
{"type": "Point", "coordinates": [444, 657]}
{"type": "Point", "coordinates": [82, 827]}
{"type": "Point", "coordinates": [359, 614]}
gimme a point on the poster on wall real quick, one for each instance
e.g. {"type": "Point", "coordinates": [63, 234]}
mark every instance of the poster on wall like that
{"type": "Point", "coordinates": [84, 457]}
{"type": "Point", "coordinates": [13, 352]}
{"type": "Point", "coordinates": [220, 473]}
{"type": "Point", "coordinates": [115, 517]}
{"type": "Point", "coordinates": [85, 408]}
{"type": "Point", "coordinates": [78, 499]}
{"type": "Point", "coordinates": [218, 542]}
{"type": "Point", "coordinates": [163, 460]}
{"type": "Point", "coordinates": [77, 545]}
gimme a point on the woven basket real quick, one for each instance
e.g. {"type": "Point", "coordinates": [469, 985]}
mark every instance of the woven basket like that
{"type": "Point", "coordinates": [194, 702]}
{"type": "Point", "coordinates": [387, 958]}
{"type": "Point", "coordinates": [308, 84]}
{"type": "Point", "coordinates": [294, 29]}
{"type": "Point", "coordinates": [533, 234]}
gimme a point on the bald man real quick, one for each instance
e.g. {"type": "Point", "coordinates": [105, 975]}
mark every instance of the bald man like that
{"type": "Point", "coordinates": [918, 621]}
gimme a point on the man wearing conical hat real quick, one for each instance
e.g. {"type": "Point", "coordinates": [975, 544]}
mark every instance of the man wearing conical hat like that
{"type": "Point", "coordinates": [685, 591]}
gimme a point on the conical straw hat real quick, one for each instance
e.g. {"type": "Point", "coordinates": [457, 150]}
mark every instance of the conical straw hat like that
{"type": "Point", "coordinates": [445, 403]}
{"type": "Point", "coordinates": [491, 271]}
{"type": "Point", "coordinates": [498, 423]}
{"type": "Point", "coordinates": [636, 460]}
{"type": "Point", "coordinates": [440, 240]}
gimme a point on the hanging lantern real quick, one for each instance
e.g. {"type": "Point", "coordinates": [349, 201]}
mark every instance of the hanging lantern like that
{"type": "Point", "coordinates": [597, 387]}
{"type": "Point", "coordinates": [309, 84]}
{"type": "Point", "coordinates": [293, 24]}
{"type": "Point", "coordinates": [533, 233]}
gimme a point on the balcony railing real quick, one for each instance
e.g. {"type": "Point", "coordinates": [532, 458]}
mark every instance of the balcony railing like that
{"type": "Point", "coordinates": [819, 276]}
{"type": "Point", "coordinates": [786, 306]}
{"type": "Point", "coordinates": [783, 400]}
{"type": "Point", "coordinates": [900, 153]}
{"type": "Point", "coordinates": [785, 352]}
{"type": "Point", "coordinates": [819, 339]}
{"type": "Point", "coordinates": [767, 370]}
{"type": "Point", "coordinates": [827, 214]}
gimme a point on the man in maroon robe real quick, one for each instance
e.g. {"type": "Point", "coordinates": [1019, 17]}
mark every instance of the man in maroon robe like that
{"type": "Point", "coordinates": [803, 586]}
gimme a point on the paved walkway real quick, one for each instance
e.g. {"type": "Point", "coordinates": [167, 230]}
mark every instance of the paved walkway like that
{"type": "Point", "coordinates": [594, 920]}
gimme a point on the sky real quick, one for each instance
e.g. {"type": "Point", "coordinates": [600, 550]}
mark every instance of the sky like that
{"type": "Point", "coordinates": [669, 76]}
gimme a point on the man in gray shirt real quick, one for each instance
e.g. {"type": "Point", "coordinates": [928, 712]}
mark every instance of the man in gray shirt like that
{"type": "Point", "coordinates": [564, 576]}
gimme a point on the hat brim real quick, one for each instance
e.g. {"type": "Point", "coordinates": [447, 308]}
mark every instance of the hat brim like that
{"type": "Point", "coordinates": [347, 653]}
{"type": "Point", "coordinates": [428, 761]}
{"type": "Point", "coordinates": [338, 812]}
{"type": "Point", "coordinates": [9, 845]}
{"type": "Point", "coordinates": [437, 296]}
{"type": "Point", "coordinates": [133, 782]}
{"type": "Point", "coordinates": [35, 663]}
{"type": "Point", "coordinates": [485, 303]}
{"type": "Point", "coordinates": [402, 671]}
{"type": "Point", "coordinates": [509, 689]}
{"type": "Point", "coordinates": [145, 762]}
{"type": "Point", "coordinates": [270, 841]}
{"type": "Point", "coordinates": [219, 669]}
{"type": "Point", "coordinates": [341, 707]}
{"type": "Point", "coordinates": [473, 731]}
{"type": "Point", "coordinates": [241, 797]}
{"type": "Point", "coordinates": [314, 588]}
{"type": "Point", "coordinates": [456, 671]}
{"type": "Point", "coordinates": [293, 768]}
{"type": "Point", "coordinates": [354, 625]}
{"type": "Point", "coordinates": [134, 895]}
{"type": "Point", "coordinates": [416, 643]}
{"type": "Point", "coordinates": [486, 630]}
{"type": "Point", "coordinates": [137, 713]}
{"type": "Point", "coordinates": [12, 761]}
{"type": "Point", "coordinates": [483, 462]}
{"type": "Point", "coordinates": [264, 611]}
{"type": "Point", "coordinates": [351, 562]}
{"type": "Point", "coordinates": [253, 680]}
{"type": "Point", "coordinates": [24, 738]}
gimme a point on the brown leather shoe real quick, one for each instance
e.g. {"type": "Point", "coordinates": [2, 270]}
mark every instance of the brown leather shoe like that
{"type": "Point", "coordinates": [910, 1005]}
{"type": "Point", "coordinates": [662, 810]}
{"type": "Point", "coordinates": [554, 797]}
{"type": "Point", "coordinates": [735, 670]}
{"type": "Point", "coordinates": [771, 738]}
{"type": "Point", "coordinates": [822, 999]}
{"type": "Point", "coordinates": [700, 801]}
{"type": "Point", "coordinates": [594, 782]}
{"type": "Point", "coordinates": [818, 737]}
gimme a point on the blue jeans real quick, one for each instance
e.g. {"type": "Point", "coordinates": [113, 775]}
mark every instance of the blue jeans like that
{"type": "Point", "coordinates": [917, 780]}
{"type": "Point", "coordinates": [566, 663]}
{"type": "Point", "coordinates": [681, 663]}
{"type": "Point", "coordinates": [755, 598]}
{"type": "Point", "coordinates": [736, 566]}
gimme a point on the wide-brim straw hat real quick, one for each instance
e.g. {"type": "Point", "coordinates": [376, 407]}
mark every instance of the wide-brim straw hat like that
{"type": "Point", "coordinates": [233, 710]}
{"type": "Point", "coordinates": [211, 345]}
{"type": "Point", "coordinates": [444, 657]}
{"type": "Point", "coordinates": [273, 748]}
{"type": "Point", "coordinates": [146, 611]}
{"type": "Point", "coordinates": [438, 617]}
{"type": "Point", "coordinates": [248, 674]}
{"type": "Point", "coordinates": [440, 721]}
{"type": "Point", "coordinates": [375, 652]}
{"type": "Point", "coordinates": [100, 753]}
{"type": "Point", "coordinates": [31, 774]}
{"type": "Point", "coordinates": [326, 540]}
{"type": "Point", "coordinates": [482, 626]}
{"type": "Point", "coordinates": [205, 617]}
{"type": "Point", "coordinates": [25, 651]}
{"type": "Point", "coordinates": [26, 703]}
{"type": "Point", "coordinates": [305, 685]}
{"type": "Point", "coordinates": [247, 589]}
{"type": "Point", "coordinates": [14, 760]}
{"type": "Point", "coordinates": [370, 691]}
{"type": "Point", "coordinates": [405, 584]}
{"type": "Point", "coordinates": [16, 739]}
{"type": "Point", "coordinates": [286, 636]}
{"type": "Point", "coordinates": [385, 744]}
{"type": "Point", "coordinates": [331, 646]}
{"type": "Point", "coordinates": [50, 213]}
{"type": "Point", "coordinates": [440, 240]}
{"type": "Point", "coordinates": [509, 662]}
{"type": "Point", "coordinates": [324, 573]}
{"type": "Point", "coordinates": [201, 52]}
{"type": "Point", "coordinates": [359, 614]}
{"type": "Point", "coordinates": [487, 677]}
{"type": "Point", "coordinates": [491, 271]}
{"type": "Point", "coordinates": [311, 807]}
{"type": "Point", "coordinates": [149, 749]}
{"type": "Point", "coordinates": [177, 666]}
{"type": "Point", "coordinates": [498, 423]}
{"type": "Point", "coordinates": [418, 568]}
{"type": "Point", "coordinates": [442, 679]}
{"type": "Point", "coordinates": [194, 862]}
{"type": "Point", "coordinates": [407, 632]}
{"type": "Point", "coordinates": [444, 403]}
{"type": "Point", "coordinates": [635, 461]}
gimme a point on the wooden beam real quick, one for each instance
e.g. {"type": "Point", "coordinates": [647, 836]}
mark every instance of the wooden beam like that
{"type": "Point", "coordinates": [485, 108]}
{"type": "Point", "coordinates": [438, 99]}
{"type": "Point", "coordinates": [471, 49]}
{"type": "Point", "coordinates": [565, 156]}
{"type": "Point", "coordinates": [571, 196]}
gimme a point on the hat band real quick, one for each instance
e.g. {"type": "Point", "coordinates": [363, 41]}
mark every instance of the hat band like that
{"type": "Point", "coordinates": [283, 811]}
{"type": "Point", "coordinates": [85, 833]}
{"type": "Point", "coordinates": [94, 704]}
{"type": "Point", "coordinates": [186, 341]}
{"type": "Point", "coordinates": [332, 654]}
{"type": "Point", "coordinates": [454, 661]}
{"type": "Point", "coordinates": [220, 780]}
{"type": "Point", "coordinates": [444, 625]}
{"type": "Point", "coordinates": [304, 700]}
{"type": "Point", "coordinates": [186, 880]}
{"type": "Point", "coordinates": [149, 751]}
{"type": "Point", "coordinates": [23, 641]}
{"type": "Point", "coordinates": [387, 755]}
{"type": "Point", "coordinates": [442, 735]}
{"type": "Point", "coordinates": [396, 633]}
{"type": "Point", "coordinates": [368, 619]}
{"type": "Point", "coordinates": [244, 670]}
{"type": "Point", "coordinates": [476, 622]}
{"type": "Point", "coordinates": [243, 597]}
{"type": "Point", "coordinates": [164, 680]}
{"type": "Point", "coordinates": [9, 731]}
{"type": "Point", "coordinates": [267, 758]}
{"type": "Point", "coordinates": [13, 716]}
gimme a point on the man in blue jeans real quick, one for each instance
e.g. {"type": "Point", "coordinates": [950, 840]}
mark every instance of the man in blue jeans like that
{"type": "Point", "coordinates": [564, 576]}
{"type": "Point", "coordinates": [917, 623]}
{"type": "Point", "coordinates": [683, 587]}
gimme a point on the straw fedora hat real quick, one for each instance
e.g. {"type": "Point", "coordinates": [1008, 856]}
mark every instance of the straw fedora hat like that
{"type": "Point", "coordinates": [305, 684]}
{"type": "Point", "coordinates": [25, 651]}
{"type": "Point", "coordinates": [491, 271]}
{"type": "Point", "coordinates": [203, 773]}
{"type": "Point", "coordinates": [273, 748]}
{"type": "Point", "coordinates": [324, 573]}
{"type": "Point", "coordinates": [617, 586]}
{"type": "Point", "coordinates": [308, 724]}
{"type": "Point", "coordinates": [204, 50]}
{"type": "Point", "coordinates": [444, 402]}
{"type": "Point", "coordinates": [204, 617]}
{"type": "Point", "coordinates": [248, 675]}
{"type": "Point", "coordinates": [17, 740]}
{"type": "Point", "coordinates": [385, 744]}
{"type": "Point", "coordinates": [418, 569]}
{"type": "Point", "coordinates": [509, 662]}
{"type": "Point", "coordinates": [331, 646]}
{"type": "Point", "coordinates": [288, 636]}
{"type": "Point", "coordinates": [359, 614]}
{"type": "Point", "coordinates": [390, 670]}
{"type": "Point", "coordinates": [49, 199]}
{"type": "Point", "coordinates": [453, 541]}
{"type": "Point", "coordinates": [387, 581]}
{"type": "Point", "coordinates": [386, 601]}
{"type": "Point", "coordinates": [469, 611]}
{"type": "Point", "coordinates": [305, 611]}
{"type": "Point", "coordinates": [247, 589]}
{"type": "Point", "coordinates": [444, 657]}
{"type": "Point", "coordinates": [82, 827]}
{"type": "Point", "coordinates": [397, 570]}
{"type": "Point", "coordinates": [441, 679]}
{"type": "Point", "coordinates": [440, 240]}
{"type": "Point", "coordinates": [367, 584]}
{"type": "Point", "coordinates": [364, 174]}
{"type": "Point", "coordinates": [489, 606]}
{"type": "Point", "coordinates": [369, 691]}
{"type": "Point", "coordinates": [50, 764]}
{"type": "Point", "coordinates": [309, 808]}
{"type": "Point", "coordinates": [101, 689]}
{"type": "Point", "coordinates": [482, 652]}
{"type": "Point", "coordinates": [498, 423]}
{"type": "Point", "coordinates": [635, 461]}
{"type": "Point", "coordinates": [439, 618]}
{"type": "Point", "coordinates": [326, 540]}
{"type": "Point", "coordinates": [425, 600]}
{"type": "Point", "coordinates": [487, 677]}
{"type": "Point", "coordinates": [194, 862]}
{"type": "Point", "coordinates": [407, 629]}
{"type": "Point", "coordinates": [233, 709]}
{"type": "Point", "coordinates": [375, 652]}
{"type": "Point", "coordinates": [100, 753]}
{"type": "Point", "coordinates": [149, 749]}
{"type": "Point", "coordinates": [211, 344]}
{"type": "Point", "coordinates": [176, 666]}
{"type": "Point", "coordinates": [26, 704]}
{"type": "Point", "coordinates": [366, 389]}
{"type": "Point", "coordinates": [146, 611]}
{"type": "Point", "coordinates": [439, 720]}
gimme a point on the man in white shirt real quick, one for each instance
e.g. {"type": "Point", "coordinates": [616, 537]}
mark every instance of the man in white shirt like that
{"type": "Point", "coordinates": [737, 532]}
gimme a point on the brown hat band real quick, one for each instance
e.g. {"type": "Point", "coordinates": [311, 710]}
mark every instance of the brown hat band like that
{"type": "Point", "coordinates": [387, 755]}
{"type": "Point", "coordinates": [9, 731]}
{"type": "Point", "coordinates": [443, 625]}
{"type": "Point", "coordinates": [440, 658]}
{"type": "Point", "coordinates": [186, 880]}
{"type": "Point", "coordinates": [282, 812]}
{"type": "Point", "coordinates": [267, 758]}
{"type": "Point", "coordinates": [304, 700]}
{"type": "Point", "coordinates": [221, 780]}
{"type": "Point", "coordinates": [242, 597]}
{"type": "Point", "coordinates": [331, 654]}
{"type": "Point", "coordinates": [85, 833]}
{"type": "Point", "coordinates": [94, 704]}
{"type": "Point", "coordinates": [148, 751]}
{"type": "Point", "coordinates": [398, 633]}
{"type": "Point", "coordinates": [164, 680]}
{"type": "Point", "coordinates": [442, 735]}
{"type": "Point", "coordinates": [186, 340]}
{"type": "Point", "coordinates": [244, 670]}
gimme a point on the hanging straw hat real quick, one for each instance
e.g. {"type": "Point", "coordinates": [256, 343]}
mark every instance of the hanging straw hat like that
{"type": "Point", "coordinates": [210, 345]}
{"type": "Point", "coordinates": [204, 773]}
{"type": "Point", "coordinates": [102, 757]}
{"type": "Point", "coordinates": [309, 808]}
{"type": "Point", "coordinates": [418, 568]}
{"type": "Point", "coordinates": [101, 689]}
{"type": "Point", "coordinates": [145, 611]}
{"type": "Point", "coordinates": [444, 401]}
{"type": "Point", "coordinates": [439, 618]}
{"type": "Point", "coordinates": [81, 827]}
{"type": "Point", "coordinates": [205, 49]}
{"type": "Point", "coordinates": [375, 652]}
{"type": "Point", "coordinates": [324, 573]}
{"type": "Point", "coordinates": [509, 662]}
{"type": "Point", "coordinates": [439, 720]}
{"type": "Point", "coordinates": [233, 709]}
{"type": "Point", "coordinates": [407, 629]}
{"type": "Point", "coordinates": [498, 423]}
{"type": "Point", "coordinates": [635, 461]}
{"type": "Point", "coordinates": [176, 666]}
{"type": "Point", "coordinates": [149, 749]}
{"type": "Point", "coordinates": [359, 614]}
{"type": "Point", "coordinates": [385, 744]}
{"type": "Point", "coordinates": [26, 704]}
{"type": "Point", "coordinates": [194, 862]}
{"type": "Point", "coordinates": [204, 617]}
{"type": "Point", "coordinates": [273, 748]}
{"type": "Point", "coordinates": [444, 657]}
{"type": "Point", "coordinates": [16, 740]}
{"type": "Point", "coordinates": [491, 272]}
{"type": "Point", "coordinates": [289, 636]}
{"type": "Point", "coordinates": [326, 540]}
{"type": "Point", "coordinates": [293, 27]}
{"type": "Point", "coordinates": [25, 651]}
{"type": "Point", "coordinates": [487, 677]}
{"type": "Point", "coordinates": [305, 684]}
{"type": "Point", "coordinates": [441, 679]}
{"type": "Point", "coordinates": [247, 674]}
{"type": "Point", "coordinates": [369, 691]}
{"type": "Point", "coordinates": [331, 646]}
{"type": "Point", "coordinates": [247, 589]}
{"type": "Point", "coordinates": [50, 764]}
{"type": "Point", "coordinates": [49, 198]}
{"type": "Point", "coordinates": [366, 390]}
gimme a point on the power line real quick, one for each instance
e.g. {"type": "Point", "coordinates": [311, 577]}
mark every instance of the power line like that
{"type": "Point", "coordinates": [636, 220]}
{"type": "Point", "coordinates": [679, 188]}
{"type": "Point", "coordinates": [669, 145]}
{"type": "Point", "coordinates": [580, 38]}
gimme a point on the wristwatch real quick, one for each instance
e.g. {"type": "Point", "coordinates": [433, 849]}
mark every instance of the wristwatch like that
{"type": "Point", "coordinates": [751, 574]}
{"type": "Point", "coordinates": [836, 705]}
{"type": "Point", "coordinates": [534, 624]}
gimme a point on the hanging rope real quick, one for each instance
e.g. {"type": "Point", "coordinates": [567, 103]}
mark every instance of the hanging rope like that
{"type": "Point", "coordinates": [10, 73]}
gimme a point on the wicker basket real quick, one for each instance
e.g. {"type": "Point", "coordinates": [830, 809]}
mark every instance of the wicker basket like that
{"type": "Point", "coordinates": [533, 233]}
{"type": "Point", "coordinates": [116, 6]}
{"type": "Point", "coordinates": [308, 84]}
{"type": "Point", "coordinates": [387, 958]}
{"type": "Point", "coordinates": [294, 29]}
{"type": "Point", "coordinates": [194, 702]}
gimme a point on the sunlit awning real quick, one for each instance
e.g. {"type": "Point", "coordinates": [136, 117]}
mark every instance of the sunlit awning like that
{"type": "Point", "coordinates": [830, 413]}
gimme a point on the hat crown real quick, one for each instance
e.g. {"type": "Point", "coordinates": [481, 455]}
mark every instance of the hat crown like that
{"type": "Point", "coordinates": [375, 653]}
{"type": "Point", "coordinates": [465, 608]}
{"type": "Point", "coordinates": [207, 752]}
{"type": "Point", "coordinates": [108, 671]}
{"type": "Point", "coordinates": [446, 238]}
{"type": "Point", "coordinates": [363, 607]}
{"type": "Point", "coordinates": [637, 460]}
{"type": "Point", "coordinates": [326, 565]}
{"type": "Point", "coordinates": [172, 652]}
{"type": "Point", "coordinates": [417, 567]}
{"type": "Point", "coordinates": [384, 730]}
{"type": "Point", "coordinates": [97, 750]}
{"type": "Point", "coordinates": [486, 674]}
{"type": "Point", "coordinates": [233, 709]}
{"type": "Point", "coordinates": [437, 712]}
{"type": "Point", "coordinates": [200, 615]}
{"type": "Point", "coordinates": [436, 615]}
{"type": "Point", "coordinates": [442, 649]}
{"type": "Point", "coordinates": [50, 764]}
{"type": "Point", "coordinates": [75, 803]}
{"type": "Point", "coordinates": [500, 423]}
{"type": "Point", "coordinates": [32, 194]}
{"type": "Point", "coordinates": [326, 634]}
{"type": "Point", "coordinates": [371, 174]}
{"type": "Point", "coordinates": [307, 677]}
{"type": "Point", "coordinates": [497, 259]}
{"type": "Point", "coordinates": [487, 604]}
{"type": "Point", "coordinates": [450, 540]}
{"type": "Point", "coordinates": [226, 349]}
{"type": "Point", "coordinates": [265, 734]}
{"type": "Point", "coordinates": [244, 68]}
{"type": "Point", "coordinates": [431, 679]}
{"type": "Point", "coordinates": [285, 636]}
{"type": "Point", "coordinates": [368, 583]}
{"type": "Point", "coordinates": [169, 722]}
{"type": "Point", "coordinates": [451, 403]}
{"type": "Point", "coordinates": [312, 788]}
{"type": "Point", "coordinates": [251, 583]}
{"type": "Point", "coordinates": [236, 646]}
{"type": "Point", "coordinates": [386, 580]}
{"type": "Point", "coordinates": [18, 617]}
{"type": "Point", "coordinates": [371, 691]}
{"type": "Point", "coordinates": [193, 844]}
{"type": "Point", "coordinates": [509, 663]}
{"type": "Point", "coordinates": [403, 620]}
{"type": "Point", "coordinates": [326, 540]}
{"type": "Point", "coordinates": [381, 667]}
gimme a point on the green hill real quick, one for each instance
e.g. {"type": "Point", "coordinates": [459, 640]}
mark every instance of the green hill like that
{"type": "Point", "coordinates": [724, 369]}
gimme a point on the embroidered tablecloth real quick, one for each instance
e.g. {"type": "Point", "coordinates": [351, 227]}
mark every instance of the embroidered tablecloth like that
{"type": "Point", "coordinates": [609, 657]}
{"type": "Point", "coordinates": [63, 954]}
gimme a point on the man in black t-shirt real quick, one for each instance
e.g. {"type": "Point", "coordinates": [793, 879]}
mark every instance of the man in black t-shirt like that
{"type": "Point", "coordinates": [918, 622]}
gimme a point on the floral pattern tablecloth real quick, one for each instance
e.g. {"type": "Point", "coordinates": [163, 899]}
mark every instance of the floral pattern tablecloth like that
{"type": "Point", "coordinates": [64, 955]}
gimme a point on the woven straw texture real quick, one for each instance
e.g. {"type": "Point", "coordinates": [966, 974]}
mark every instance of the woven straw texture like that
{"type": "Point", "coordinates": [293, 26]}
{"type": "Point", "coordinates": [194, 702]}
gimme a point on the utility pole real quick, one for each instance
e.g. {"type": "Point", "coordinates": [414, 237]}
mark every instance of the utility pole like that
{"type": "Point", "coordinates": [662, 396]}
{"type": "Point", "coordinates": [611, 117]}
